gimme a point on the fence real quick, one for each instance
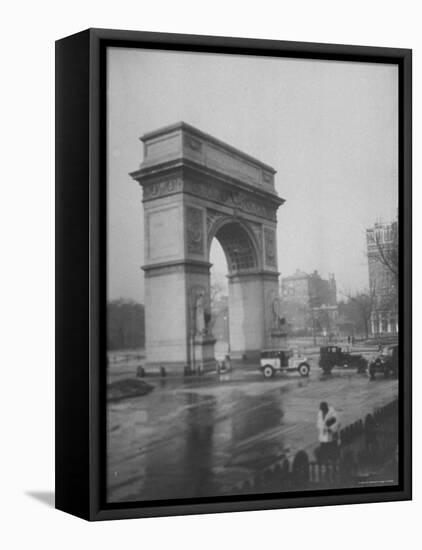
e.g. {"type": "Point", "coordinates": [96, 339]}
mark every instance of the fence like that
{"type": "Point", "coordinates": [366, 446]}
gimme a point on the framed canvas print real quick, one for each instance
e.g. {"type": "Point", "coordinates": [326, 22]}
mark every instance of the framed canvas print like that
{"type": "Point", "coordinates": [233, 274]}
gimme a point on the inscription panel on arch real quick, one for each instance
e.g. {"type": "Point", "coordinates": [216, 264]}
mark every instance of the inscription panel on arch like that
{"type": "Point", "coordinates": [163, 232]}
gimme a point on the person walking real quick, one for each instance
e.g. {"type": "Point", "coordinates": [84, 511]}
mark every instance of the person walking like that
{"type": "Point", "coordinates": [328, 426]}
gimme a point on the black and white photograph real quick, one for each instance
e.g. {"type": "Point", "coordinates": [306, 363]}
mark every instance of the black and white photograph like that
{"type": "Point", "coordinates": [208, 243]}
{"type": "Point", "coordinates": [253, 287]}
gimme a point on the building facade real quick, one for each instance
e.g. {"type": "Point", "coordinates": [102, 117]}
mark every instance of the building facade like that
{"type": "Point", "coordinates": [382, 249]}
{"type": "Point", "coordinates": [310, 303]}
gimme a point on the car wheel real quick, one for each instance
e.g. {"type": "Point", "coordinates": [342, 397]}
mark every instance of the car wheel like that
{"type": "Point", "coordinates": [304, 369]}
{"type": "Point", "coordinates": [268, 371]}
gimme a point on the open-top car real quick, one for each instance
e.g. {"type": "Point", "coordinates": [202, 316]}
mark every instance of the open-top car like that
{"type": "Point", "coordinates": [385, 363]}
{"type": "Point", "coordinates": [283, 360]}
{"type": "Point", "coordinates": [334, 356]}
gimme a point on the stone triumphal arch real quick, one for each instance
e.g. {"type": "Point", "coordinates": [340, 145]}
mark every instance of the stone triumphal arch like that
{"type": "Point", "coordinates": [197, 188]}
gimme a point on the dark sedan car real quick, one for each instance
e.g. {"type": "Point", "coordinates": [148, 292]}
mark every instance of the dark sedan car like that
{"type": "Point", "coordinates": [334, 356]}
{"type": "Point", "coordinates": [385, 363]}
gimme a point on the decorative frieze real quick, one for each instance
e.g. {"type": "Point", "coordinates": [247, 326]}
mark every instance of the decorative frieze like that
{"type": "Point", "coordinates": [240, 200]}
{"type": "Point", "coordinates": [162, 188]}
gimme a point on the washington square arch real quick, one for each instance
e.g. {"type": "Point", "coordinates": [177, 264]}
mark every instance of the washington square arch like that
{"type": "Point", "coordinates": [195, 189]}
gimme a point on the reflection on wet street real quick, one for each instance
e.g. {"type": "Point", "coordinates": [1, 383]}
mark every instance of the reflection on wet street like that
{"type": "Point", "coordinates": [194, 437]}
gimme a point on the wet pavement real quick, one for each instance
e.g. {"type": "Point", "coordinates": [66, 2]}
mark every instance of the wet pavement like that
{"type": "Point", "coordinates": [195, 437]}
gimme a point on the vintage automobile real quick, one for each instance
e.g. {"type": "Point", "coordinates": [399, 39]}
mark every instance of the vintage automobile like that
{"type": "Point", "coordinates": [334, 356]}
{"type": "Point", "coordinates": [385, 363]}
{"type": "Point", "coordinates": [282, 360]}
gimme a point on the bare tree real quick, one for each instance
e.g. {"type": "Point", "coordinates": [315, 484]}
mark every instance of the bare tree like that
{"type": "Point", "coordinates": [384, 250]}
{"type": "Point", "coordinates": [387, 251]}
{"type": "Point", "coordinates": [125, 324]}
{"type": "Point", "coordinates": [218, 301]}
{"type": "Point", "coordinates": [216, 292]}
{"type": "Point", "coordinates": [364, 304]}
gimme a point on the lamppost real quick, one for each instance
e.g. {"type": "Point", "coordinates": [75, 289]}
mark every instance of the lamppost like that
{"type": "Point", "coordinates": [313, 325]}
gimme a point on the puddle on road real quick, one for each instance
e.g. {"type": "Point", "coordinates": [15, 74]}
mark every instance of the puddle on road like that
{"type": "Point", "coordinates": [184, 440]}
{"type": "Point", "coordinates": [188, 436]}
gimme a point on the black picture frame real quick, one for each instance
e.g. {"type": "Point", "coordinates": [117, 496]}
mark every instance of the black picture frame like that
{"type": "Point", "coordinates": [81, 273]}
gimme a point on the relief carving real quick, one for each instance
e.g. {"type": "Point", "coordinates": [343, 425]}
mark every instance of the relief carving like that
{"type": "Point", "coordinates": [267, 177]}
{"type": "Point", "coordinates": [212, 217]}
{"type": "Point", "coordinates": [193, 143]}
{"type": "Point", "coordinates": [161, 188]}
{"type": "Point", "coordinates": [232, 198]}
{"type": "Point", "coordinates": [235, 199]}
{"type": "Point", "coordinates": [257, 229]}
{"type": "Point", "coordinates": [194, 230]}
{"type": "Point", "coordinates": [270, 251]}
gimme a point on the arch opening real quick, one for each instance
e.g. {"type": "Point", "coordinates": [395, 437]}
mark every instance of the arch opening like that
{"type": "Point", "coordinates": [235, 307]}
{"type": "Point", "coordinates": [219, 299]}
{"type": "Point", "coordinates": [238, 247]}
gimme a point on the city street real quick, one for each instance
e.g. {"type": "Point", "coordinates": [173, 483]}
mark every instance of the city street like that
{"type": "Point", "coordinates": [198, 436]}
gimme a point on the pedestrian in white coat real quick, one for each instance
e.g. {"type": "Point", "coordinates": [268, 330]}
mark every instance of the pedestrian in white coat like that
{"type": "Point", "coordinates": [328, 426]}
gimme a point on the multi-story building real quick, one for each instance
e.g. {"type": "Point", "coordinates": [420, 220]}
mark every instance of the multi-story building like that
{"type": "Point", "coordinates": [310, 303]}
{"type": "Point", "coordinates": [382, 248]}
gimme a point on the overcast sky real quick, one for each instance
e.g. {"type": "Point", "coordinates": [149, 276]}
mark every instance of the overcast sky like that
{"type": "Point", "coordinates": [329, 129]}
